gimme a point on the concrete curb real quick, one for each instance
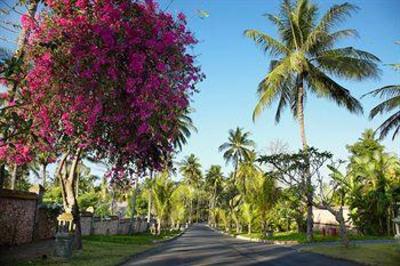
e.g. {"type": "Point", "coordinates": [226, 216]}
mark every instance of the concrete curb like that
{"type": "Point", "coordinates": [169, 239]}
{"type": "Point", "coordinates": [300, 246]}
{"type": "Point", "coordinates": [158, 245]}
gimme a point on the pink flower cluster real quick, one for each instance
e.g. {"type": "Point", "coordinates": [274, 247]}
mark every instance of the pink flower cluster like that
{"type": "Point", "coordinates": [19, 152]}
{"type": "Point", "coordinates": [112, 76]}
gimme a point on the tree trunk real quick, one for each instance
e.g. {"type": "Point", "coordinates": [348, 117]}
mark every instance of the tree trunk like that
{"type": "Point", "coordinates": [150, 201]}
{"type": "Point", "coordinates": [191, 211]}
{"type": "Point", "coordinates": [198, 209]}
{"type": "Point", "coordinates": [133, 208]}
{"type": "Point", "coordinates": [309, 189]}
{"type": "Point", "coordinates": [13, 177]}
{"type": "Point", "coordinates": [22, 39]}
{"type": "Point", "coordinates": [249, 228]}
{"type": "Point", "coordinates": [44, 174]}
{"type": "Point", "coordinates": [342, 227]}
{"type": "Point", "coordinates": [237, 226]}
{"type": "Point", "coordinates": [2, 175]}
{"type": "Point", "coordinates": [68, 183]}
{"type": "Point", "coordinates": [158, 226]}
{"type": "Point", "coordinates": [112, 201]}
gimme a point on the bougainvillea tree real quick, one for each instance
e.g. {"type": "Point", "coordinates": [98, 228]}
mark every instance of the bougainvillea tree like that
{"type": "Point", "coordinates": [106, 77]}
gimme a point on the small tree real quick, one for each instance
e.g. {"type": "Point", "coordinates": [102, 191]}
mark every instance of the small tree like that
{"type": "Point", "coordinates": [298, 170]}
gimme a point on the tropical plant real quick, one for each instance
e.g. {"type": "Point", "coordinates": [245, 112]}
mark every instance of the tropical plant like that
{"type": "Point", "coordinates": [374, 177]}
{"type": "Point", "coordinates": [190, 169]}
{"type": "Point", "coordinates": [162, 190]}
{"type": "Point", "coordinates": [213, 182]}
{"type": "Point", "coordinates": [249, 214]}
{"type": "Point", "coordinates": [247, 171]}
{"type": "Point", "coordinates": [237, 148]}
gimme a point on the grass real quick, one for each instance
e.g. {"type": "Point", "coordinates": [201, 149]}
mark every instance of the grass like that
{"type": "Point", "coordinates": [369, 254]}
{"type": "Point", "coordinates": [103, 250]}
{"type": "Point", "coordinates": [318, 237]}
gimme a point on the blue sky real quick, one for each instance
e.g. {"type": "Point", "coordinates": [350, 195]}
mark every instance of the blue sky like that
{"type": "Point", "coordinates": [234, 66]}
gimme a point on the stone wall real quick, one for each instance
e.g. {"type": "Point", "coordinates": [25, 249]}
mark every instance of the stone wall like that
{"type": "Point", "coordinates": [111, 226]}
{"type": "Point", "coordinates": [23, 219]}
{"type": "Point", "coordinates": [17, 215]}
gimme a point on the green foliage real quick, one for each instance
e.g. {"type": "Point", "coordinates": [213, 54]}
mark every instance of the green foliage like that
{"type": "Point", "coordinates": [373, 183]}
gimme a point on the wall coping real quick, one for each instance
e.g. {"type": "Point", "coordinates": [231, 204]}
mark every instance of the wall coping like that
{"type": "Point", "coordinates": [14, 194]}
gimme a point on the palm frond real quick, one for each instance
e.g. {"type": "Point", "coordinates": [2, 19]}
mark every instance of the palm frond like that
{"type": "Point", "coordinates": [349, 63]}
{"type": "Point", "coordinates": [266, 42]}
{"type": "Point", "coordinates": [385, 92]}
{"type": "Point", "coordinates": [335, 15]}
{"type": "Point", "coordinates": [270, 87]}
{"type": "Point", "coordinates": [393, 122]}
{"type": "Point", "coordinates": [385, 106]}
{"type": "Point", "coordinates": [323, 85]}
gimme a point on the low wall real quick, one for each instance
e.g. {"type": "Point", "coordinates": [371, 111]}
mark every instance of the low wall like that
{"type": "Point", "coordinates": [17, 216]}
{"type": "Point", "coordinates": [23, 219]}
{"type": "Point", "coordinates": [111, 226]}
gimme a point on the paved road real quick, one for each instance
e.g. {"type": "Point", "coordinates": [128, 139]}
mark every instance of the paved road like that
{"type": "Point", "coordinates": [202, 246]}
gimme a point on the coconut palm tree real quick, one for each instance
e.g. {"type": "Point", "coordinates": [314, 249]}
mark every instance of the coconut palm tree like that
{"type": "Point", "coordinates": [305, 60]}
{"type": "Point", "coordinates": [214, 179]}
{"type": "Point", "coordinates": [190, 169]}
{"type": "Point", "coordinates": [162, 190]}
{"type": "Point", "coordinates": [305, 57]}
{"type": "Point", "coordinates": [237, 148]}
{"type": "Point", "coordinates": [391, 102]}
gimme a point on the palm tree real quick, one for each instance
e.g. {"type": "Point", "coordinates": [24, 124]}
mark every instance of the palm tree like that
{"type": "Point", "coordinates": [391, 101]}
{"type": "Point", "coordinates": [268, 194]}
{"type": "Point", "coordinates": [304, 58]}
{"type": "Point", "coordinates": [162, 190]}
{"type": "Point", "coordinates": [237, 148]}
{"type": "Point", "coordinates": [249, 214]}
{"type": "Point", "coordinates": [214, 179]}
{"type": "Point", "coordinates": [247, 171]}
{"type": "Point", "coordinates": [190, 168]}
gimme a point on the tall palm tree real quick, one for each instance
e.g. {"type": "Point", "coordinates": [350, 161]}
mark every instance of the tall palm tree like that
{"type": "Point", "coordinates": [304, 59]}
{"type": "Point", "coordinates": [237, 148]}
{"type": "Point", "coordinates": [163, 191]}
{"type": "Point", "coordinates": [214, 179]}
{"type": "Point", "coordinates": [190, 169]}
{"type": "Point", "coordinates": [391, 102]}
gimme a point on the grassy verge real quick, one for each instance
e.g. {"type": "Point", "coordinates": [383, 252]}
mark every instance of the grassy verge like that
{"type": "Point", "coordinates": [302, 238]}
{"type": "Point", "coordinates": [369, 254]}
{"type": "Point", "coordinates": [103, 250]}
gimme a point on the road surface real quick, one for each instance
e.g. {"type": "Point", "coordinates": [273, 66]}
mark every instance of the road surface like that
{"type": "Point", "coordinates": [202, 246]}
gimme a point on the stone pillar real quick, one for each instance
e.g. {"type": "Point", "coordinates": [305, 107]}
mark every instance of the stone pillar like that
{"type": "Point", "coordinates": [39, 190]}
{"type": "Point", "coordinates": [64, 236]}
